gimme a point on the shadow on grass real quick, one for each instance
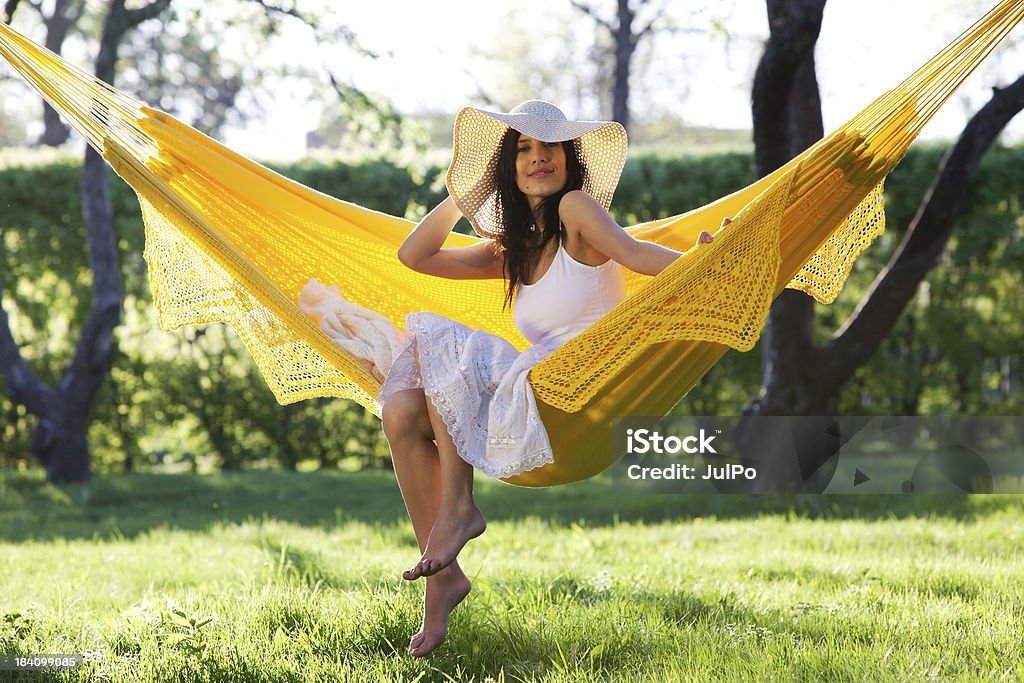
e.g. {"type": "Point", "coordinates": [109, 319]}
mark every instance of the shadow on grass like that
{"type": "Point", "coordinates": [128, 505]}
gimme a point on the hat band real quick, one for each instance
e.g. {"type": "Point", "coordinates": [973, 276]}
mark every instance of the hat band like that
{"type": "Point", "coordinates": [546, 130]}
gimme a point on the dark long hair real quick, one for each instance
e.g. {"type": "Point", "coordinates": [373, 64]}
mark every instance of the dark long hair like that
{"type": "Point", "coordinates": [517, 218]}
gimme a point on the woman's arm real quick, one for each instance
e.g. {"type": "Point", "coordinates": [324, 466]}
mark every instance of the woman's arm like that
{"type": "Point", "coordinates": [422, 250]}
{"type": "Point", "coordinates": [579, 211]}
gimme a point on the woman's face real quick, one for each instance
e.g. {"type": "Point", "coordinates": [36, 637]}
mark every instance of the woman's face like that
{"type": "Point", "coordinates": [540, 168]}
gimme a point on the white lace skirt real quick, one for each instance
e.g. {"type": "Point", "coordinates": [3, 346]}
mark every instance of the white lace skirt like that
{"type": "Point", "coordinates": [477, 381]}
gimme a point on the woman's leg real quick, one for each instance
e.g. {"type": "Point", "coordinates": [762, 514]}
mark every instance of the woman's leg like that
{"type": "Point", "coordinates": [458, 518]}
{"type": "Point", "coordinates": [410, 435]}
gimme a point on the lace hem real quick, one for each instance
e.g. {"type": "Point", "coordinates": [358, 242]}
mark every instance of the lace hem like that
{"type": "Point", "coordinates": [478, 383]}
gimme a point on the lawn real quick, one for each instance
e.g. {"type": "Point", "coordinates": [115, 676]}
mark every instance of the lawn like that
{"type": "Point", "coordinates": [265, 576]}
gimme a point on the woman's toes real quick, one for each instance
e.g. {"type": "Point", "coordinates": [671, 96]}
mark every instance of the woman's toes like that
{"type": "Point", "coordinates": [424, 648]}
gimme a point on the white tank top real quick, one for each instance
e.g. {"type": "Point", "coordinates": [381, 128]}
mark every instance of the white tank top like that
{"type": "Point", "coordinates": [569, 297]}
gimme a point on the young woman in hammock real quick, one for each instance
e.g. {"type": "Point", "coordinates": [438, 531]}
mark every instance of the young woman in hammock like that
{"type": "Point", "coordinates": [537, 186]}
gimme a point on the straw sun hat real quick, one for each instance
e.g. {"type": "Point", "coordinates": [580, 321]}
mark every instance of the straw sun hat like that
{"type": "Point", "coordinates": [472, 181]}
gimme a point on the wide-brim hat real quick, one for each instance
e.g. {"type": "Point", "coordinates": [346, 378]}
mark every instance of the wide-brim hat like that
{"type": "Point", "coordinates": [472, 180]}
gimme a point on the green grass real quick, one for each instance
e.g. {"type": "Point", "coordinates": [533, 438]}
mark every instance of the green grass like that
{"type": "Point", "coordinates": [265, 576]}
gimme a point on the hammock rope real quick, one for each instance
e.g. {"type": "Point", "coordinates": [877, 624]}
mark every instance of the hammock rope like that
{"type": "Point", "coordinates": [228, 240]}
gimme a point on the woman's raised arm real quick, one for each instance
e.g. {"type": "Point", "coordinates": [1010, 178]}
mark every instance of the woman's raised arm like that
{"type": "Point", "coordinates": [421, 251]}
{"type": "Point", "coordinates": [582, 212]}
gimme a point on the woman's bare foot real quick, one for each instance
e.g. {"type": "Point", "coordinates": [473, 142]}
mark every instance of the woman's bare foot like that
{"type": "Point", "coordinates": [444, 591]}
{"type": "Point", "coordinates": [451, 531]}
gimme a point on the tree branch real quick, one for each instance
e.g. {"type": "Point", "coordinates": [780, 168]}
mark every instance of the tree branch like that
{"type": "Point", "coordinates": [347, 34]}
{"type": "Point", "coordinates": [925, 239]}
{"type": "Point", "coordinates": [677, 30]}
{"type": "Point", "coordinates": [481, 92]}
{"type": "Point", "coordinates": [646, 29]}
{"type": "Point", "coordinates": [593, 15]}
{"type": "Point", "coordinates": [271, 10]}
{"type": "Point", "coordinates": [136, 16]}
{"type": "Point", "coordinates": [658, 14]}
{"type": "Point", "coordinates": [75, 10]}
{"type": "Point", "coordinates": [23, 387]}
{"type": "Point", "coordinates": [9, 8]}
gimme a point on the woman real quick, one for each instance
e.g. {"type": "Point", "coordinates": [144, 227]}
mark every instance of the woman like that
{"type": "Point", "coordinates": [537, 187]}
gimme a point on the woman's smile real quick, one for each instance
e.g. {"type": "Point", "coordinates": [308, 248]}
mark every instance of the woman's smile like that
{"type": "Point", "coordinates": [540, 168]}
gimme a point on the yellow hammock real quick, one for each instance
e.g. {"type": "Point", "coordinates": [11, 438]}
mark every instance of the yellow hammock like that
{"type": "Point", "coordinates": [230, 241]}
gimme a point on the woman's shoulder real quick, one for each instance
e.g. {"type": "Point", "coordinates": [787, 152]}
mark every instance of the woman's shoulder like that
{"type": "Point", "coordinates": [580, 212]}
{"type": "Point", "coordinates": [578, 201]}
{"type": "Point", "coordinates": [583, 217]}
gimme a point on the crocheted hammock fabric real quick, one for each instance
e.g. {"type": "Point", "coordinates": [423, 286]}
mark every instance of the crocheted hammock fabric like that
{"type": "Point", "coordinates": [228, 240]}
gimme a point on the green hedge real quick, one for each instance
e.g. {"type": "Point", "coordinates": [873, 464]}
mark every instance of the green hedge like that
{"type": "Point", "coordinates": [175, 395]}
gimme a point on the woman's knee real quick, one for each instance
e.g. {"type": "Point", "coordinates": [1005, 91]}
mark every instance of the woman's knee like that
{"type": "Point", "coordinates": [405, 415]}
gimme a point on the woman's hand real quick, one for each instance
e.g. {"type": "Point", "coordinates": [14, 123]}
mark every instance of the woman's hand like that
{"type": "Point", "coordinates": [704, 237]}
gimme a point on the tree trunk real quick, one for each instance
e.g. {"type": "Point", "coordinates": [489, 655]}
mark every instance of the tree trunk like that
{"type": "Point", "coordinates": [798, 377]}
{"type": "Point", "coordinates": [625, 46]}
{"type": "Point", "coordinates": [60, 439]}
{"type": "Point", "coordinates": [625, 40]}
{"type": "Point", "coordinates": [787, 119]}
{"type": "Point", "coordinates": [65, 15]}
